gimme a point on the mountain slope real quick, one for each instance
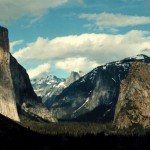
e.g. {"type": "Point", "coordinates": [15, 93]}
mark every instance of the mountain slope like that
{"type": "Point", "coordinates": [44, 85]}
{"type": "Point", "coordinates": [48, 87]}
{"type": "Point", "coordinates": [61, 86]}
{"type": "Point", "coordinates": [93, 97]}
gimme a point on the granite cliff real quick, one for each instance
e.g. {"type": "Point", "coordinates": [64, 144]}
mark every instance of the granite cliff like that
{"type": "Point", "coordinates": [7, 95]}
{"type": "Point", "coordinates": [133, 106]}
{"type": "Point", "coordinates": [15, 87]}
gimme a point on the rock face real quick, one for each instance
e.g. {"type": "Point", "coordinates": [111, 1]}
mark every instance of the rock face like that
{"type": "Point", "coordinates": [15, 86]}
{"type": "Point", "coordinates": [7, 96]}
{"type": "Point", "coordinates": [94, 96]}
{"type": "Point", "coordinates": [21, 82]}
{"type": "Point", "coordinates": [74, 76]}
{"type": "Point", "coordinates": [133, 106]}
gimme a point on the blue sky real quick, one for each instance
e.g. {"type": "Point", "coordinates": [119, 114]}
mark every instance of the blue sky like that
{"type": "Point", "coordinates": [59, 36]}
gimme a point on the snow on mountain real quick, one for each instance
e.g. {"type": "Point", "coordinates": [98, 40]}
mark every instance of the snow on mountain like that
{"type": "Point", "coordinates": [46, 86]}
{"type": "Point", "coordinates": [93, 97]}
{"type": "Point", "coordinates": [43, 84]}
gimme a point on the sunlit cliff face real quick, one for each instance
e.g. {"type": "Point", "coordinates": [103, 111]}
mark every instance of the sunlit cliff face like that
{"type": "Point", "coordinates": [7, 96]}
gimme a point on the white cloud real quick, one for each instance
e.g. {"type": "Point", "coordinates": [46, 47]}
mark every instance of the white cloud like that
{"type": "Point", "coordinates": [110, 20]}
{"type": "Point", "coordinates": [13, 9]}
{"type": "Point", "coordinates": [15, 43]}
{"type": "Point", "coordinates": [146, 52]}
{"type": "Point", "coordinates": [39, 70]}
{"type": "Point", "coordinates": [132, 0]}
{"type": "Point", "coordinates": [101, 48]}
{"type": "Point", "coordinates": [76, 64]}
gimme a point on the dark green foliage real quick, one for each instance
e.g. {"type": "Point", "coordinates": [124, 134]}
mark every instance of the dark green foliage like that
{"type": "Point", "coordinates": [14, 136]}
{"type": "Point", "coordinates": [65, 128]}
{"type": "Point", "coordinates": [81, 129]}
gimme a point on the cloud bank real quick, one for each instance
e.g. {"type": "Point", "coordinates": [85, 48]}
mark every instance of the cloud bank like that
{"type": "Point", "coordinates": [76, 64]}
{"type": "Point", "coordinates": [15, 43]}
{"type": "Point", "coordinates": [39, 70]}
{"type": "Point", "coordinates": [109, 20]}
{"type": "Point", "coordinates": [95, 47]}
{"type": "Point", "coordinates": [13, 9]}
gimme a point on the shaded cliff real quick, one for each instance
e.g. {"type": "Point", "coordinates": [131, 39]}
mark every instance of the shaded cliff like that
{"type": "Point", "coordinates": [21, 82]}
{"type": "Point", "coordinates": [133, 106]}
{"type": "Point", "coordinates": [25, 96]}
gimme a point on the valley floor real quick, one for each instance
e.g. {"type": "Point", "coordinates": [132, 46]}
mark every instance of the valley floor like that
{"type": "Point", "coordinates": [14, 136]}
{"type": "Point", "coordinates": [43, 142]}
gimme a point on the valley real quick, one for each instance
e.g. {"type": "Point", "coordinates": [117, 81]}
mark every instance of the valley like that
{"type": "Point", "coordinates": [109, 104]}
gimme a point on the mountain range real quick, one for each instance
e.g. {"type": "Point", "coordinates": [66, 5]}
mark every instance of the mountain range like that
{"type": "Point", "coordinates": [96, 95]}
{"type": "Point", "coordinates": [48, 86]}
{"type": "Point", "coordinates": [117, 92]}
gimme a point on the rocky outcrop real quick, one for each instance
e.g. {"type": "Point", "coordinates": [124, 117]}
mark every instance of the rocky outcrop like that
{"type": "Point", "coordinates": [38, 111]}
{"type": "Point", "coordinates": [74, 76]}
{"type": "Point", "coordinates": [7, 96]}
{"type": "Point", "coordinates": [15, 86]}
{"type": "Point", "coordinates": [133, 106]}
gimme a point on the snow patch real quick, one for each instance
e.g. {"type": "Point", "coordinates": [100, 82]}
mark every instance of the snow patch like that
{"type": "Point", "coordinates": [110, 103]}
{"type": "Point", "coordinates": [113, 79]}
{"type": "Point", "coordinates": [82, 105]}
{"type": "Point", "coordinates": [139, 57]}
{"type": "Point", "coordinates": [106, 112]}
{"type": "Point", "coordinates": [38, 90]}
{"type": "Point", "coordinates": [104, 67]}
{"type": "Point", "coordinates": [83, 80]}
{"type": "Point", "coordinates": [61, 84]}
{"type": "Point", "coordinates": [48, 83]}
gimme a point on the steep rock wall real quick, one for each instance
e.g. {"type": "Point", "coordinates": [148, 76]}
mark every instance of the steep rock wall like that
{"type": "Point", "coordinates": [15, 87]}
{"type": "Point", "coordinates": [7, 97]}
{"type": "Point", "coordinates": [133, 106]}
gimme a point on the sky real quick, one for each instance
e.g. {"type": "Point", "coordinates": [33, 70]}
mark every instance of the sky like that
{"type": "Point", "coordinates": [60, 36]}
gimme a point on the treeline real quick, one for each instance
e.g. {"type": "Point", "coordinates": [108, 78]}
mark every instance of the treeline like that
{"type": "Point", "coordinates": [81, 129]}
{"type": "Point", "coordinates": [69, 135]}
